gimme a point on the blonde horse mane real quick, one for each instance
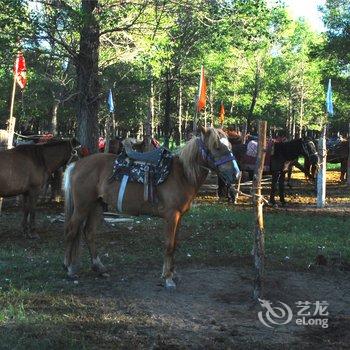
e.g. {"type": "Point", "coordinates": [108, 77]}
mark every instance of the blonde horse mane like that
{"type": "Point", "coordinates": [190, 154]}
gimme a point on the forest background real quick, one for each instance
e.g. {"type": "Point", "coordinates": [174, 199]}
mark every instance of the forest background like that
{"type": "Point", "coordinates": [259, 62]}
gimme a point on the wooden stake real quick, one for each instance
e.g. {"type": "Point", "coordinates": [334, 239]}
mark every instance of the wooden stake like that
{"type": "Point", "coordinates": [12, 120]}
{"type": "Point", "coordinates": [259, 234]}
{"type": "Point", "coordinates": [321, 175]}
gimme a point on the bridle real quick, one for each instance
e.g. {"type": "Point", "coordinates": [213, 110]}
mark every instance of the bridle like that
{"type": "Point", "coordinates": [306, 150]}
{"type": "Point", "coordinates": [214, 164]}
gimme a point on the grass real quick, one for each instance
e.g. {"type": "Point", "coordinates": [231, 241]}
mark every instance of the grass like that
{"type": "Point", "coordinates": [39, 309]}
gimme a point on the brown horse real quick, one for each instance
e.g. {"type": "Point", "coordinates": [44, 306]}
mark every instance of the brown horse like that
{"type": "Point", "coordinates": [87, 184]}
{"type": "Point", "coordinates": [26, 168]}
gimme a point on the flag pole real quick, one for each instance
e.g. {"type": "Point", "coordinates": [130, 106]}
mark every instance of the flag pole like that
{"type": "Point", "coordinates": [321, 174]}
{"type": "Point", "coordinates": [12, 120]}
{"type": "Point", "coordinates": [322, 152]}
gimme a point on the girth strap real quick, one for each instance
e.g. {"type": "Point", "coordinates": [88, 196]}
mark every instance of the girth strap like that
{"type": "Point", "coordinates": [122, 192]}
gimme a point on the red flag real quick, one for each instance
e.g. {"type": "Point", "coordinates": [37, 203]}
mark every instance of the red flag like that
{"type": "Point", "coordinates": [222, 114]}
{"type": "Point", "coordinates": [202, 92]}
{"type": "Point", "coordinates": [20, 70]}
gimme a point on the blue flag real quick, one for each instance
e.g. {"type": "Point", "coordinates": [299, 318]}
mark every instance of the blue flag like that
{"type": "Point", "coordinates": [329, 102]}
{"type": "Point", "coordinates": [110, 101]}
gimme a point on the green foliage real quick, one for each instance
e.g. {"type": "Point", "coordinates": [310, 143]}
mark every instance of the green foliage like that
{"type": "Point", "coordinates": [258, 61]}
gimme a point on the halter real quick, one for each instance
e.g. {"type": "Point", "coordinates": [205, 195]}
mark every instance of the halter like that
{"type": "Point", "coordinates": [214, 164]}
{"type": "Point", "coordinates": [306, 150]}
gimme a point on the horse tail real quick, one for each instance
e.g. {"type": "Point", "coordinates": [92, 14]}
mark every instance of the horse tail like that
{"type": "Point", "coordinates": [67, 187]}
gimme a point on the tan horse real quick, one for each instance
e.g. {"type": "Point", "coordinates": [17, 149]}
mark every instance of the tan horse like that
{"type": "Point", "coordinates": [87, 184]}
{"type": "Point", "coordinates": [25, 169]}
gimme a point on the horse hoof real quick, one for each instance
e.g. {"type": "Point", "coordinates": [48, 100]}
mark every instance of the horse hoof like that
{"type": "Point", "coordinates": [72, 278]}
{"type": "Point", "coordinates": [170, 284]}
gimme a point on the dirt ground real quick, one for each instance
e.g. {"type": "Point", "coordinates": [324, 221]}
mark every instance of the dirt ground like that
{"type": "Point", "coordinates": [210, 309]}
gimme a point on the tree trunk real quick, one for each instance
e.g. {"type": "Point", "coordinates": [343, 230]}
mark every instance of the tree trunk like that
{"type": "Point", "coordinates": [167, 109]}
{"type": "Point", "coordinates": [55, 106]}
{"type": "Point", "coordinates": [148, 129]}
{"type": "Point", "coordinates": [254, 96]}
{"type": "Point", "coordinates": [180, 116]}
{"type": "Point", "coordinates": [301, 114]}
{"type": "Point", "coordinates": [87, 77]}
{"type": "Point", "coordinates": [211, 104]}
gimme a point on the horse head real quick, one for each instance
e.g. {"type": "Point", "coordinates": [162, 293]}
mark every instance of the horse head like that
{"type": "Point", "coordinates": [216, 151]}
{"type": "Point", "coordinates": [309, 150]}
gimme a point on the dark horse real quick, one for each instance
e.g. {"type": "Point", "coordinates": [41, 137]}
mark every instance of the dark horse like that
{"type": "Point", "coordinates": [26, 168]}
{"type": "Point", "coordinates": [339, 153]}
{"type": "Point", "coordinates": [283, 155]}
{"type": "Point", "coordinates": [336, 153]}
{"type": "Point", "coordinates": [88, 184]}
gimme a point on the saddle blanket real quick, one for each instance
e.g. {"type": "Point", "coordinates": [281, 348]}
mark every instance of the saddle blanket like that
{"type": "Point", "coordinates": [142, 171]}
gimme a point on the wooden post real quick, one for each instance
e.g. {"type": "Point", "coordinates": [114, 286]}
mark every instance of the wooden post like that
{"type": "Point", "coordinates": [321, 175]}
{"type": "Point", "coordinates": [245, 131]}
{"type": "Point", "coordinates": [109, 131]}
{"type": "Point", "coordinates": [12, 120]}
{"type": "Point", "coordinates": [348, 168]}
{"type": "Point", "coordinates": [259, 234]}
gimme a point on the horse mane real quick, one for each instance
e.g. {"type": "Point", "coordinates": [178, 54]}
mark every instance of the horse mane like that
{"type": "Point", "coordinates": [190, 155]}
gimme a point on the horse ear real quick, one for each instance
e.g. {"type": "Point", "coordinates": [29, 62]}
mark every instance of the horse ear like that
{"type": "Point", "coordinates": [202, 129]}
{"type": "Point", "coordinates": [75, 142]}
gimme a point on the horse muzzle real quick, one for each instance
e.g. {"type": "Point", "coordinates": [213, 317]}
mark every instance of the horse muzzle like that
{"type": "Point", "coordinates": [231, 176]}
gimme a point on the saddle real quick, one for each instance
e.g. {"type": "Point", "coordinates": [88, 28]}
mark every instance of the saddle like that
{"type": "Point", "coordinates": [153, 157]}
{"type": "Point", "coordinates": [149, 168]}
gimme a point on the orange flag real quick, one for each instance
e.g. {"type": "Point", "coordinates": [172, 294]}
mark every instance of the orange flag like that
{"type": "Point", "coordinates": [222, 113]}
{"type": "Point", "coordinates": [20, 71]}
{"type": "Point", "coordinates": [202, 92]}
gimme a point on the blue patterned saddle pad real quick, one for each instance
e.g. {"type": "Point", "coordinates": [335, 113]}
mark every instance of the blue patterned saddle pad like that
{"type": "Point", "coordinates": [143, 171]}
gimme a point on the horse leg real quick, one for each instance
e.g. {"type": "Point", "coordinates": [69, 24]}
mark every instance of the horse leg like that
{"type": "Point", "coordinates": [92, 221]}
{"type": "Point", "coordinates": [72, 240]}
{"type": "Point", "coordinates": [33, 197]}
{"type": "Point", "coordinates": [221, 188]}
{"type": "Point", "coordinates": [281, 186]}
{"type": "Point", "coordinates": [25, 205]}
{"type": "Point", "coordinates": [289, 175]}
{"type": "Point", "coordinates": [171, 229]}
{"type": "Point", "coordinates": [273, 187]}
{"type": "Point", "coordinates": [343, 166]}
